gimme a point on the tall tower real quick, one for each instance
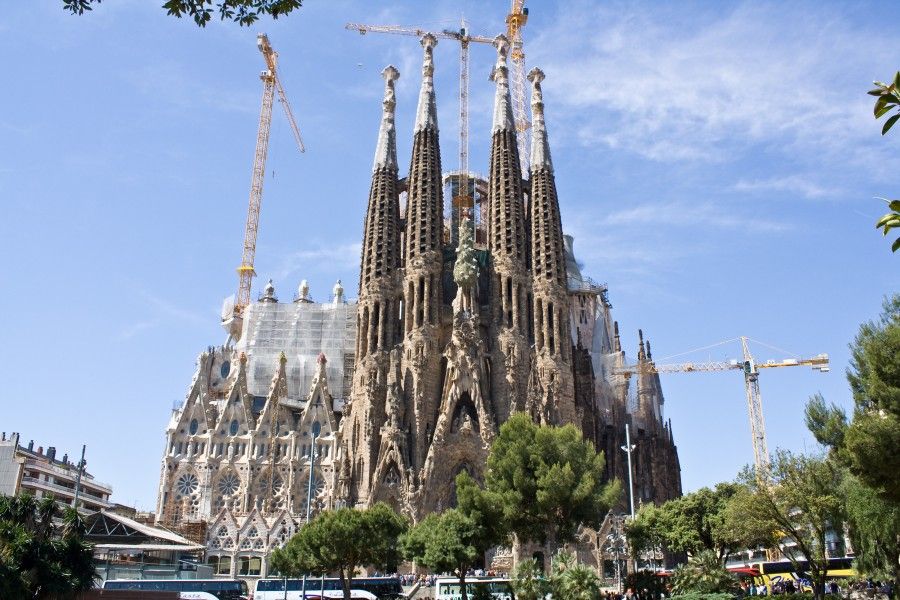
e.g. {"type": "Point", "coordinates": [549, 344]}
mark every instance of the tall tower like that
{"type": "Point", "coordinates": [552, 340]}
{"type": "Point", "coordinates": [423, 260]}
{"type": "Point", "coordinates": [378, 324]}
{"type": "Point", "coordinates": [507, 242]}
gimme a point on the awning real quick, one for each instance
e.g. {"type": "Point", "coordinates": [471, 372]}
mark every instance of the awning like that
{"type": "Point", "coordinates": [147, 547]}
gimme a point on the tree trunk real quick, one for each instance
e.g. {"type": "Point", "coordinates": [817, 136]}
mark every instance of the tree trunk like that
{"type": "Point", "coordinates": [551, 547]}
{"type": "Point", "coordinates": [345, 583]}
{"type": "Point", "coordinates": [462, 584]}
{"type": "Point", "coordinates": [818, 581]}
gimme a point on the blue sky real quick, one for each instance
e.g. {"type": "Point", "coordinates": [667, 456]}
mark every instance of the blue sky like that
{"type": "Point", "coordinates": [717, 163]}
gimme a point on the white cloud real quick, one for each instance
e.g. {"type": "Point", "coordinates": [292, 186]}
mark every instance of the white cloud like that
{"type": "Point", "coordinates": [320, 258]}
{"type": "Point", "coordinates": [793, 184]}
{"type": "Point", "coordinates": [769, 78]}
{"type": "Point", "coordinates": [700, 215]}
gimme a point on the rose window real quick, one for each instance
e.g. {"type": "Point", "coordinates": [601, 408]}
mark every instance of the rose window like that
{"type": "Point", "coordinates": [263, 485]}
{"type": "Point", "coordinates": [187, 484]}
{"type": "Point", "coordinates": [229, 484]}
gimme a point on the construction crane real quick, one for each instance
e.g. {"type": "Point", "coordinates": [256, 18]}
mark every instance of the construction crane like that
{"type": "Point", "coordinates": [751, 369]}
{"type": "Point", "coordinates": [462, 200]}
{"type": "Point", "coordinates": [271, 85]}
{"type": "Point", "coordinates": [515, 20]}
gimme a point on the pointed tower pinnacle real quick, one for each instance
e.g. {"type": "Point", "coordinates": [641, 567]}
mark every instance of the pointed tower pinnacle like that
{"type": "Point", "coordinates": [386, 149]}
{"type": "Point", "coordinates": [503, 114]}
{"type": "Point", "coordinates": [642, 354]}
{"type": "Point", "coordinates": [540, 149]}
{"type": "Point", "coordinates": [426, 114]}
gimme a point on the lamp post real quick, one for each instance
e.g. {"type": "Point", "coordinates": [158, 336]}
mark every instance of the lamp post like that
{"type": "Point", "coordinates": [316, 429]}
{"type": "Point", "coordinates": [629, 448]}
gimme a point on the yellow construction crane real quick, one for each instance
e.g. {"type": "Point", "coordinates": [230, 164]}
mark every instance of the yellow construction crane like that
{"type": "Point", "coordinates": [271, 85]}
{"type": "Point", "coordinates": [751, 369]}
{"type": "Point", "coordinates": [515, 20]}
{"type": "Point", "coordinates": [462, 199]}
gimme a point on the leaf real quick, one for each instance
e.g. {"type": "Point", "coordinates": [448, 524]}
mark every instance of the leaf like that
{"type": "Point", "coordinates": [897, 80]}
{"type": "Point", "coordinates": [896, 245]}
{"type": "Point", "coordinates": [894, 205]}
{"type": "Point", "coordinates": [889, 123]}
{"type": "Point", "coordinates": [879, 106]}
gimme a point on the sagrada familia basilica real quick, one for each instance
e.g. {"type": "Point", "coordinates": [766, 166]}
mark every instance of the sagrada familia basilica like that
{"type": "Point", "coordinates": [315, 405]}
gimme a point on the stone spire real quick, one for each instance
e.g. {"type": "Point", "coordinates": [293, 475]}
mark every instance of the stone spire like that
{"type": "Point", "coordinates": [426, 113]}
{"type": "Point", "coordinates": [424, 212]}
{"type": "Point", "coordinates": [540, 150]}
{"type": "Point", "coordinates": [381, 235]}
{"type": "Point", "coordinates": [642, 354]}
{"type": "Point", "coordinates": [506, 200]}
{"type": "Point", "coordinates": [547, 243]}
{"type": "Point", "coordinates": [508, 242]}
{"type": "Point", "coordinates": [503, 114]}
{"type": "Point", "coordinates": [386, 149]}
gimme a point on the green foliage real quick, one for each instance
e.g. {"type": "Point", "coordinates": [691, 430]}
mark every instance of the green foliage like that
{"type": "Point", "coordinates": [572, 580]}
{"type": "Point", "coordinates": [243, 12]}
{"type": "Point", "coordinates": [691, 523]}
{"type": "Point", "coordinates": [891, 219]}
{"type": "Point", "coordinates": [874, 530]}
{"type": "Point", "coordinates": [703, 574]}
{"type": "Point", "coordinates": [38, 558]}
{"type": "Point", "coordinates": [445, 543]}
{"type": "Point", "coordinates": [528, 581]}
{"type": "Point", "coordinates": [801, 503]}
{"type": "Point", "coordinates": [342, 540]}
{"type": "Point", "coordinates": [548, 480]}
{"type": "Point", "coordinates": [867, 445]}
{"type": "Point", "coordinates": [698, 596]}
{"type": "Point", "coordinates": [887, 99]}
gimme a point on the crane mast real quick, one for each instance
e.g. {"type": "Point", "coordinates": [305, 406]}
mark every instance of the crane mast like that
{"type": "Point", "coordinates": [751, 369]}
{"type": "Point", "coordinates": [271, 84]}
{"type": "Point", "coordinates": [462, 200]}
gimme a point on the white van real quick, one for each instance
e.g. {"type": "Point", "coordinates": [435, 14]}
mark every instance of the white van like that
{"type": "Point", "coordinates": [449, 589]}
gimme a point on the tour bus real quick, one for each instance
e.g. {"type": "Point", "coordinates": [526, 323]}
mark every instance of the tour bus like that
{"type": "Point", "coordinates": [194, 589]}
{"type": "Point", "coordinates": [382, 588]}
{"type": "Point", "coordinates": [771, 573]}
{"type": "Point", "coordinates": [449, 588]}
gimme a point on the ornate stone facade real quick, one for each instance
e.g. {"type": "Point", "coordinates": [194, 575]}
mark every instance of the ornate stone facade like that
{"type": "Point", "coordinates": [453, 339]}
{"type": "Point", "coordinates": [411, 383]}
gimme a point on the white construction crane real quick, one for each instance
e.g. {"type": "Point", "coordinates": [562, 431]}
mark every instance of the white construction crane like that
{"type": "Point", "coordinates": [751, 369]}
{"type": "Point", "coordinates": [515, 20]}
{"type": "Point", "coordinates": [271, 84]}
{"type": "Point", "coordinates": [462, 200]}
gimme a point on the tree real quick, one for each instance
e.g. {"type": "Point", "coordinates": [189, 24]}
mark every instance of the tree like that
{"type": "Point", "coordinates": [887, 99]}
{"type": "Point", "coordinates": [528, 581]}
{"type": "Point", "coordinates": [704, 573]}
{"type": "Point", "coordinates": [548, 480]}
{"type": "Point", "coordinates": [41, 557]}
{"type": "Point", "coordinates": [456, 539]}
{"type": "Point", "coordinates": [691, 523]}
{"type": "Point", "coordinates": [243, 12]}
{"type": "Point", "coordinates": [867, 444]}
{"type": "Point", "coordinates": [571, 580]}
{"type": "Point", "coordinates": [797, 510]}
{"type": "Point", "coordinates": [340, 541]}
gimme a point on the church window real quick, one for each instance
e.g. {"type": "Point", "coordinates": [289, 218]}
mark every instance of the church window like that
{"type": "Point", "coordinates": [253, 532]}
{"type": "Point", "coordinates": [187, 484]}
{"type": "Point", "coordinates": [234, 427]}
{"type": "Point", "coordinates": [258, 545]}
{"type": "Point", "coordinates": [194, 426]}
{"type": "Point", "coordinates": [245, 544]}
{"type": "Point", "coordinates": [221, 565]}
{"type": "Point", "coordinates": [249, 565]}
{"type": "Point", "coordinates": [180, 447]}
{"type": "Point", "coordinates": [223, 531]}
{"type": "Point", "coordinates": [229, 484]}
{"type": "Point", "coordinates": [226, 369]}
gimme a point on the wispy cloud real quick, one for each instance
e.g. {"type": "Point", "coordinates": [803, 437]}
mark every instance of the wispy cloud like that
{"type": "Point", "coordinates": [702, 215]}
{"type": "Point", "coordinates": [319, 258]}
{"type": "Point", "coordinates": [793, 184]}
{"type": "Point", "coordinates": [159, 311]}
{"type": "Point", "coordinates": [171, 83]}
{"type": "Point", "coordinates": [760, 77]}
